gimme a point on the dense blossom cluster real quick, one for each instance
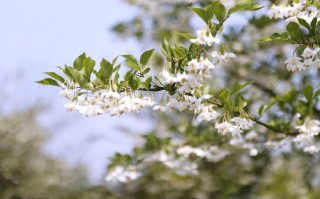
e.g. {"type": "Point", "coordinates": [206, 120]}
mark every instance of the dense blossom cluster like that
{"type": "Point", "coordinates": [310, 59]}
{"type": "Point", "coordinates": [294, 11]}
{"type": "Point", "coordinates": [305, 139]}
{"type": "Point", "coordinates": [177, 160]}
{"type": "Point", "coordinates": [104, 101]}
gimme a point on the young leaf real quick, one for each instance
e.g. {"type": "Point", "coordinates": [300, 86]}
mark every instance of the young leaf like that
{"type": "Point", "coordinates": [308, 93]}
{"type": "Point", "coordinates": [133, 83]}
{"type": "Point", "coordinates": [146, 71]}
{"type": "Point", "coordinates": [106, 69]}
{"type": "Point", "coordinates": [88, 64]}
{"type": "Point", "coordinates": [131, 62]}
{"type": "Point", "coordinates": [220, 12]}
{"type": "Point", "coordinates": [56, 76]}
{"type": "Point", "coordinates": [316, 94]}
{"type": "Point", "coordinates": [276, 37]}
{"type": "Point", "coordinates": [225, 94]}
{"type": "Point", "coordinates": [264, 108]}
{"type": "Point", "coordinates": [295, 33]}
{"type": "Point", "coordinates": [78, 62]}
{"type": "Point", "coordinates": [187, 35]}
{"type": "Point", "coordinates": [244, 6]}
{"type": "Point", "coordinates": [240, 101]}
{"type": "Point", "coordinates": [48, 81]}
{"type": "Point", "coordinates": [239, 87]}
{"type": "Point", "coordinates": [166, 49]}
{"type": "Point", "coordinates": [211, 10]}
{"type": "Point", "coordinates": [145, 57]}
{"type": "Point", "coordinates": [304, 23]}
{"type": "Point", "coordinates": [201, 13]}
{"type": "Point", "coordinates": [72, 73]}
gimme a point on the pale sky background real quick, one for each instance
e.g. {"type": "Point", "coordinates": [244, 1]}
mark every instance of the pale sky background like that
{"type": "Point", "coordinates": [38, 35]}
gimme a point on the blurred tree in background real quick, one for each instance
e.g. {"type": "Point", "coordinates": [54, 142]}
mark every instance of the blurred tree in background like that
{"type": "Point", "coordinates": [27, 173]}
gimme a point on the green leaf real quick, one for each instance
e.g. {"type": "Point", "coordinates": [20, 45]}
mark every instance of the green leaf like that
{"type": "Point", "coordinates": [276, 37]}
{"type": "Point", "coordinates": [72, 73]}
{"type": "Point", "coordinates": [48, 81]}
{"type": "Point", "coordinates": [314, 24]}
{"type": "Point", "coordinates": [147, 83]}
{"type": "Point", "coordinates": [304, 23]}
{"type": "Point", "coordinates": [240, 101]}
{"type": "Point", "coordinates": [225, 94]}
{"type": "Point", "coordinates": [166, 49]}
{"type": "Point", "coordinates": [56, 76]}
{"type": "Point", "coordinates": [294, 32]}
{"type": "Point", "coordinates": [187, 35]}
{"type": "Point", "coordinates": [78, 62]}
{"type": "Point", "coordinates": [122, 85]}
{"type": "Point", "coordinates": [264, 108]}
{"type": "Point", "coordinates": [220, 12]}
{"type": "Point", "coordinates": [106, 69]}
{"type": "Point", "coordinates": [308, 93]}
{"type": "Point", "coordinates": [86, 85]}
{"type": "Point", "coordinates": [114, 61]}
{"type": "Point", "coordinates": [88, 64]}
{"type": "Point", "coordinates": [239, 87]}
{"type": "Point", "coordinates": [201, 13]}
{"type": "Point", "coordinates": [194, 50]}
{"type": "Point", "coordinates": [127, 75]}
{"type": "Point", "coordinates": [316, 94]}
{"type": "Point", "coordinates": [244, 6]}
{"type": "Point", "coordinates": [211, 10]}
{"type": "Point", "coordinates": [116, 69]}
{"type": "Point", "coordinates": [180, 52]}
{"type": "Point", "coordinates": [131, 62]}
{"type": "Point", "coordinates": [146, 71]}
{"type": "Point", "coordinates": [133, 83]}
{"type": "Point", "coordinates": [145, 57]}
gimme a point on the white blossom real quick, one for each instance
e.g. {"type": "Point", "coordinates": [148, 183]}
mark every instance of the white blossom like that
{"type": "Point", "coordinates": [294, 64]}
{"type": "Point", "coordinates": [122, 174]}
{"type": "Point", "coordinates": [218, 58]}
{"type": "Point", "coordinates": [205, 38]}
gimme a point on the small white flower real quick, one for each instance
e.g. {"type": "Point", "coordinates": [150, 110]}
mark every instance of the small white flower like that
{"type": "Point", "coordinates": [68, 93]}
{"type": "Point", "coordinates": [160, 108]}
{"type": "Point", "coordinates": [310, 127]}
{"type": "Point", "coordinates": [311, 149]}
{"type": "Point", "coordinates": [308, 53]}
{"type": "Point", "coordinates": [205, 38]}
{"type": "Point", "coordinates": [226, 127]}
{"type": "Point", "coordinates": [226, 57]}
{"type": "Point", "coordinates": [242, 123]}
{"type": "Point", "coordinates": [253, 152]}
{"type": "Point", "coordinates": [122, 174]}
{"type": "Point", "coordinates": [294, 64]}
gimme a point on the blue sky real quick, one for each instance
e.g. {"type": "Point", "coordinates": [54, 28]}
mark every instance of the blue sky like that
{"type": "Point", "coordinates": [38, 35]}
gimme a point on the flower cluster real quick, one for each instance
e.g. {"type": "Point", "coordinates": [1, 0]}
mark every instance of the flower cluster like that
{"type": "Point", "coordinates": [305, 139]}
{"type": "Point", "coordinates": [122, 174]}
{"type": "Point", "coordinates": [285, 11]}
{"type": "Point", "coordinates": [309, 60]}
{"type": "Point", "coordinates": [177, 160]}
{"type": "Point", "coordinates": [237, 126]}
{"type": "Point", "coordinates": [212, 154]}
{"type": "Point", "coordinates": [205, 38]}
{"type": "Point", "coordinates": [104, 101]}
{"type": "Point", "coordinates": [191, 81]}
{"type": "Point", "coordinates": [294, 11]}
